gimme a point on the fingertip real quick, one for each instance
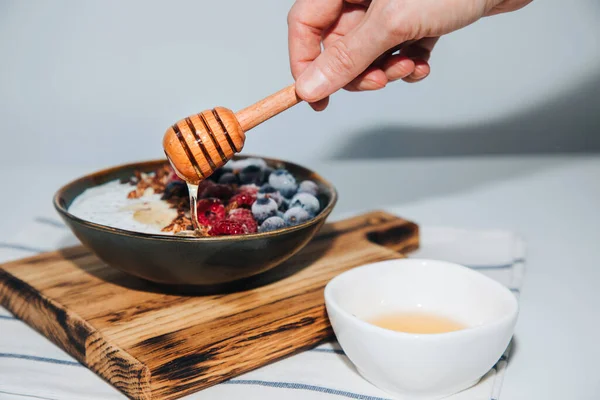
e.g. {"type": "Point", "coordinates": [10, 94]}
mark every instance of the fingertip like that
{"type": "Point", "coordinates": [367, 84]}
{"type": "Point", "coordinates": [421, 71]}
{"type": "Point", "coordinates": [312, 85]}
{"type": "Point", "coordinates": [422, 68]}
{"type": "Point", "coordinates": [372, 79]}
{"type": "Point", "coordinates": [398, 67]}
{"type": "Point", "coordinates": [320, 105]}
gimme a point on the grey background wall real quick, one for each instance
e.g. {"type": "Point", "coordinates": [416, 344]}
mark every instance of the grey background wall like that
{"type": "Point", "coordinates": [98, 82]}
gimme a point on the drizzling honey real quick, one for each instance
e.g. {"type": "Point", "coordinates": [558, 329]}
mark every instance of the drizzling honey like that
{"type": "Point", "coordinates": [416, 322]}
{"type": "Point", "coordinates": [193, 191]}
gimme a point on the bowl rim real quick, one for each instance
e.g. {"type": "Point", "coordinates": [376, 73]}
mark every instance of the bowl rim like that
{"type": "Point", "coordinates": [510, 318]}
{"type": "Point", "coordinates": [64, 212]}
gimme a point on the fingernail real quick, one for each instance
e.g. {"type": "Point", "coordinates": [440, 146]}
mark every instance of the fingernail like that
{"type": "Point", "coordinates": [312, 85]}
{"type": "Point", "coordinates": [370, 85]}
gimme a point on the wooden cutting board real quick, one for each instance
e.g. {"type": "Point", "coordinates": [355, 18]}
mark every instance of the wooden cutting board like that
{"type": "Point", "coordinates": [155, 345]}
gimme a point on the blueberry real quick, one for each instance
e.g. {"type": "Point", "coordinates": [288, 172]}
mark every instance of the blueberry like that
{"type": "Point", "coordinates": [307, 201]}
{"type": "Point", "coordinates": [175, 189]}
{"type": "Point", "coordinates": [308, 187]}
{"type": "Point", "coordinates": [285, 204]}
{"type": "Point", "coordinates": [266, 172]}
{"type": "Point", "coordinates": [251, 174]}
{"type": "Point", "coordinates": [269, 191]}
{"type": "Point", "coordinates": [266, 188]}
{"type": "Point", "coordinates": [264, 208]}
{"type": "Point", "coordinates": [271, 224]}
{"type": "Point", "coordinates": [216, 174]}
{"type": "Point", "coordinates": [257, 162]}
{"type": "Point", "coordinates": [246, 162]}
{"type": "Point", "coordinates": [228, 178]}
{"type": "Point", "coordinates": [236, 165]}
{"type": "Point", "coordinates": [283, 181]}
{"type": "Point", "coordinates": [280, 214]}
{"type": "Point", "coordinates": [296, 216]}
{"type": "Point", "coordinates": [229, 166]}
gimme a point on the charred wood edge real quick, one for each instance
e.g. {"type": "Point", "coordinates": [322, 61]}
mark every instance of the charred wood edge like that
{"type": "Point", "coordinates": [77, 337]}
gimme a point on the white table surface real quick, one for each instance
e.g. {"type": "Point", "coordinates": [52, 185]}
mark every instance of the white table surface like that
{"type": "Point", "coordinates": [553, 202]}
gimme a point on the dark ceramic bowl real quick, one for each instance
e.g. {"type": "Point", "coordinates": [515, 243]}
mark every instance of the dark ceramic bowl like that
{"type": "Point", "coordinates": [178, 260]}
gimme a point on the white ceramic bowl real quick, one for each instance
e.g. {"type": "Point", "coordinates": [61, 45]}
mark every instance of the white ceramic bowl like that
{"type": "Point", "coordinates": [421, 366]}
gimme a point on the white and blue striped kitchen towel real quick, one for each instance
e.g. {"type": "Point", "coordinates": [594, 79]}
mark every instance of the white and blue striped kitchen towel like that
{"type": "Point", "coordinates": [31, 367]}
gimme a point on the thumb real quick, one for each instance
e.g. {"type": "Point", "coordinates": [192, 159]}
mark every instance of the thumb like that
{"type": "Point", "coordinates": [339, 64]}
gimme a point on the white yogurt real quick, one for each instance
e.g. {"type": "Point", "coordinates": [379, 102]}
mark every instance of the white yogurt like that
{"type": "Point", "coordinates": [108, 205]}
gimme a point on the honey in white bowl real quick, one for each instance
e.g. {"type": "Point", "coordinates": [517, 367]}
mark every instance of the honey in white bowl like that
{"type": "Point", "coordinates": [417, 322]}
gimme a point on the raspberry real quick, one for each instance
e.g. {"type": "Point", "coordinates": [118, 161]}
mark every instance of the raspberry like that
{"type": "Point", "coordinates": [239, 213]}
{"type": "Point", "coordinates": [228, 227]}
{"type": "Point", "coordinates": [243, 216]}
{"type": "Point", "coordinates": [238, 196]}
{"type": "Point", "coordinates": [251, 188]}
{"type": "Point", "coordinates": [210, 211]}
{"type": "Point", "coordinates": [242, 199]}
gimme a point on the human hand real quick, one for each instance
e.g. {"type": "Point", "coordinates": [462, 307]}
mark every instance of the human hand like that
{"type": "Point", "coordinates": [360, 38]}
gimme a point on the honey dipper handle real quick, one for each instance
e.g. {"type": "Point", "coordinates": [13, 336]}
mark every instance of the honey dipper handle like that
{"type": "Point", "coordinates": [268, 107]}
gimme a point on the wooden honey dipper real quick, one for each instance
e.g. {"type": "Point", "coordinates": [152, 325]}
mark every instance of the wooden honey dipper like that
{"type": "Point", "coordinates": [199, 144]}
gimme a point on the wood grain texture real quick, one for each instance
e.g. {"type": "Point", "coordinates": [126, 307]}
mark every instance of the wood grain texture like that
{"type": "Point", "coordinates": [152, 344]}
{"type": "Point", "coordinates": [199, 144]}
{"type": "Point", "coordinates": [267, 108]}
